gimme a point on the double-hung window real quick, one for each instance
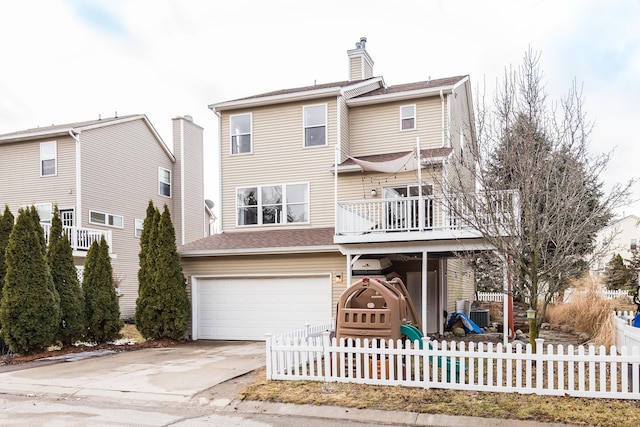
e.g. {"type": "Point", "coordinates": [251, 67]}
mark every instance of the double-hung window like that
{"type": "Point", "coordinates": [48, 158]}
{"type": "Point", "coordinates": [240, 129]}
{"type": "Point", "coordinates": [164, 182]}
{"type": "Point", "coordinates": [273, 204]}
{"type": "Point", "coordinates": [408, 117]}
{"type": "Point", "coordinates": [315, 125]}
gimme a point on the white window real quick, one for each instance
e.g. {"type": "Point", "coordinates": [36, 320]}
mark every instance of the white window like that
{"type": "Point", "coordinates": [106, 219]}
{"type": "Point", "coordinates": [45, 211]}
{"type": "Point", "coordinates": [240, 130]}
{"type": "Point", "coordinates": [273, 204]}
{"type": "Point", "coordinates": [48, 158]}
{"type": "Point", "coordinates": [315, 125]}
{"type": "Point", "coordinates": [164, 182]}
{"type": "Point", "coordinates": [408, 117]}
{"type": "Point", "coordinates": [138, 225]}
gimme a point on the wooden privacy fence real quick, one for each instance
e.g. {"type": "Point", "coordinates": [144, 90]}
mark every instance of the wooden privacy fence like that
{"type": "Point", "coordinates": [551, 370]}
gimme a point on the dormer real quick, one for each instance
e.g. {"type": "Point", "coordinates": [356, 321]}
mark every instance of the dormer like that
{"type": "Point", "coordinates": [360, 63]}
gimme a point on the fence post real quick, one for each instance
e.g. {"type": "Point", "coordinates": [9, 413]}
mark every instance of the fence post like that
{"type": "Point", "coordinates": [268, 357]}
{"type": "Point", "coordinates": [539, 364]}
{"type": "Point", "coordinates": [426, 354]}
{"type": "Point", "coordinates": [326, 344]}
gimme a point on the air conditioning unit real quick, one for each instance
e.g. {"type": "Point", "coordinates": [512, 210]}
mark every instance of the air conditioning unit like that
{"type": "Point", "coordinates": [371, 266]}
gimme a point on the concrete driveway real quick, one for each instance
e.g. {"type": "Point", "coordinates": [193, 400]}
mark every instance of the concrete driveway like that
{"type": "Point", "coordinates": [173, 374]}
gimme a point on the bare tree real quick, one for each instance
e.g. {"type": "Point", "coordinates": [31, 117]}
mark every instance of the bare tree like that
{"type": "Point", "coordinates": [540, 199]}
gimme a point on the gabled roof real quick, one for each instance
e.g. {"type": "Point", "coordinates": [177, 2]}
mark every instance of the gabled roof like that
{"type": "Point", "coordinates": [77, 128]}
{"type": "Point", "coordinates": [294, 94]}
{"type": "Point", "coordinates": [381, 93]}
{"type": "Point", "coordinates": [261, 242]}
{"type": "Point", "coordinates": [409, 90]}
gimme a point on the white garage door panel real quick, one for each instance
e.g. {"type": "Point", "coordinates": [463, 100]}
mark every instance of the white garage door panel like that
{"type": "Point", "coordinates": [249, 308]}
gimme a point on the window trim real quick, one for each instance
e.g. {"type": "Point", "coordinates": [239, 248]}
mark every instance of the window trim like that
{"type": "Point", "coordinates": [414, 117]}
{"type": "Point", "coordinates": [55, 158]}
{"type": "Point", "coordinates": [259, 206]}
{"type": "Point", "coordinates": [304, 125]}
{"type": "Point", "coordinates": [231, 134]}
{"type": "Point", "coordinates": [160, 182]}
{"type": "Point", "coordinates": [106, 219]}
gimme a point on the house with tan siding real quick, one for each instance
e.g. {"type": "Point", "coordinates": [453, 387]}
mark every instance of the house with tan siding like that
{"type": "Point", "coordinates": [102, 174]}
{"type": "Point", "coordinates": [324, 184]}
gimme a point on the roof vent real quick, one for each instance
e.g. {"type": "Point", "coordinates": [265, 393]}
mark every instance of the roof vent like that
{"type": "Point", "coordinates": [362, 43]}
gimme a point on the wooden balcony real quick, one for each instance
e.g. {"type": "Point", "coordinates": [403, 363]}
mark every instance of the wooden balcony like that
{"type": "Point", "coordinates": [80, 238]}
{"type": "Point", "coordinates": [411, 219]}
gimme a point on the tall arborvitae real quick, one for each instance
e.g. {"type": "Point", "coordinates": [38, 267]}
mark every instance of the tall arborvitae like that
{"type": "Point", "coordinates": [144, 273]}
{"type": "Point", "coordinates": [164, 311]}
{"type": "Point", "coordinates": [29, 310]}
{"type": "Point", "coordinates": [6, 225]}
{"type": "Point", "coordinates": [65, 278]}
{"type": "Point", "coordinates": [102, 312]}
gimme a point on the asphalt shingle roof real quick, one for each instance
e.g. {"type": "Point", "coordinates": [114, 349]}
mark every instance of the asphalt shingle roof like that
{"type": "Point", "coordinates": [252, 240]}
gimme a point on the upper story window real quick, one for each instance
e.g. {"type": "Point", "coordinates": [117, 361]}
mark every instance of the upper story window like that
{"type": "Point", "coordinates": [164, 182]}
{"type": "Point", "coordinates": [240, 130]}
{"type": "Point", "coordinates": [48, 158]}
{"type": "Point", "coordinates": [273, 204]}
{"type": "Point", "coordinates": [315, 125]}
{"type": "Point", "coordinates": [633, 245]}
{"type": "Point", "coordinates": [106, 219]}
{"type": "Point", "coordinates": [407, 117]}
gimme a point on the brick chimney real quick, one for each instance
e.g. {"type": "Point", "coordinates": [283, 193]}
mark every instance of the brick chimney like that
{"type": "Point", "coordinates": [360, 63]}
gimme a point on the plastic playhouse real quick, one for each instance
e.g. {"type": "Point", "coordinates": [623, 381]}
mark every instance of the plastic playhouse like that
{"type": "Point", "coordinates": [377, 309]}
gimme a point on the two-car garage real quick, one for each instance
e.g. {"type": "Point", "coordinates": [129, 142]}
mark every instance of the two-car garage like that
{"type": "Point", "coordinates": [248, 308]}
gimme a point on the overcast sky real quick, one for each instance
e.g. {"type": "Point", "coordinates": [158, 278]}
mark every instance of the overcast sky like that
{"type": "Point", "coordinates": [72, 60]}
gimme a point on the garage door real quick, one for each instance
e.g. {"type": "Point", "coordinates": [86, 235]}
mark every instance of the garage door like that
{"type": "Point", "coordinates": [249, 308]}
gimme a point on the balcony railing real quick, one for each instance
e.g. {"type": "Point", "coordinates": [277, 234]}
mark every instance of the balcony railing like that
{"type": "Point", "coordinates": [80, 238]}
{"type": "Point", "coordinates": [416, 214]}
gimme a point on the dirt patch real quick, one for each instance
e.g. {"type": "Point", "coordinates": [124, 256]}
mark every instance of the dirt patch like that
{"type": "Point", "coordinates": [131, 340]}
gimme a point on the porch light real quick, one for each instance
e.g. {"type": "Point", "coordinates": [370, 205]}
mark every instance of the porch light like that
{"type": "Point", "coordinates": [339, 277]}
{"type": "Point", "coordinates": [531, 314]}
{"type": "Point", "coordinates": [374, 193]}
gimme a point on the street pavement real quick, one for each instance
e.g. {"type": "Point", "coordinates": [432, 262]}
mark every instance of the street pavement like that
{"type": "Point", "coordinates": [188, 385]}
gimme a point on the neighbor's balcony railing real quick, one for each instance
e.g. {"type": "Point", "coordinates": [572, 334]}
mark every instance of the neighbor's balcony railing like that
{"type": "Point", "coordinates": [80, 238]}
{"type": "Point", "coordinates": [418, 214]}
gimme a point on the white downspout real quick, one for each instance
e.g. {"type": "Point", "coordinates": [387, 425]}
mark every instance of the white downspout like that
{"type": "Point", "coordinates": [448, 120]}
{"type": "Point", "coordinates": [182, 156]}
{"type": "Point", "coordinates": [336, 162]}
{"type": "Point", "coordinates": [421, 212]}
{"type": "Point", "coordinates": [219, 168]}
{"type": "Point", "coordinates": [442, 116]}
{"type": "Point", "coordinates": [78, 214]}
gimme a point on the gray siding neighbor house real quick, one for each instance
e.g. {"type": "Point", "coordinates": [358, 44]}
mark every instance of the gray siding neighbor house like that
{"type": "Point", "coordinates": [102, 174]}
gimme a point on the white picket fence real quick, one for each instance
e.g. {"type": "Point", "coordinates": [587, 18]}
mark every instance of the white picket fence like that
{"type": "Point", "coordinates": [606, 293]}
{"type": "Point", "coordinates": [551, 370]}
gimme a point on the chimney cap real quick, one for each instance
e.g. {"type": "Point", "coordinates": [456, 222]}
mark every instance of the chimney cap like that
{"type": "Point", "coordinates": [362, 43]}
